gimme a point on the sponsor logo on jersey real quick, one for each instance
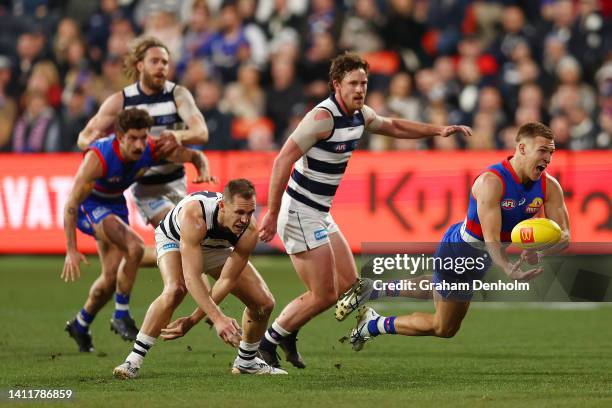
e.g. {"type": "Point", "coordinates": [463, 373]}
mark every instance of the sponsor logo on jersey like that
{"type": "Point", "coordinates": [527, 235]}
{"type": "Point", "coordinates": [154, 205]}
{"type": "Point", "coordinates": [522, 201]}
{"type": "Point", "coordinates": [170, 245]}
{"type": "Point", "coordinates": [534, 206]}
{"type": "Point", "coordinates": [508, 204]}
{"type": "Point", "coordinates": [320, 234]}
{"type": "Point", "coordinates": [99, 212]}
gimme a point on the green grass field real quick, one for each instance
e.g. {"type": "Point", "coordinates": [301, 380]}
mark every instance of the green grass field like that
{"type": "Point", "coordinates": [512, 355]}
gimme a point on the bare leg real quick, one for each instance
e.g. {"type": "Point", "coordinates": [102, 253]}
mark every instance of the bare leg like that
{"type": "Point", "coordinates": [445, 322]}
{"type": "Point", "coordinates": [104, 287]}
{"type": "Point", "coordinates": [344, 263]}
{"type": "Point", "coordinates": [252, 290]}
{"type": "Point", "coordinates": [114, 230]}
{"type": "Point", "coordinates": [160, 312]}
{"type": "Point", "coordinates": [316, 270]}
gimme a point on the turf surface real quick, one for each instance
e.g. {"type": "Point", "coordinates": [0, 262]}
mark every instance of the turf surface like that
{"type": "Point", "coordinates": [509, 355]}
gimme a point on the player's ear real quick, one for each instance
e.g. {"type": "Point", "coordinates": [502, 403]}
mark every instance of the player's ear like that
{"type": "Point", "coordinates": [140, 66]}
{"type": "Point", "coordinates": [521, 148]}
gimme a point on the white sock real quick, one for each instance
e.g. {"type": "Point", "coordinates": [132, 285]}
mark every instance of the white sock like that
{"type": "Point", "coordinates": [141, 346]}
{"type": "Point", "coordinates": [247, 351]}
{"type": "Point", "coordinates": [276, 333]}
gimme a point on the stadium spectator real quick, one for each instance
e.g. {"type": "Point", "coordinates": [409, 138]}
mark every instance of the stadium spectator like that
{"type": "Point", "coordinates": [8, 106]}
{"type": "Point", "coordinates": [282, 96]}
{"type": "Point", "coordinates": [207, 97]}
{"type": "Point", "coordinates": [361, 28]}
{"type": "Point", "coordinates": [37, 129]}
{"type": "Point", "coordinates": [245, 98]}
{"type": "Point", "coordinates": [74, 117]}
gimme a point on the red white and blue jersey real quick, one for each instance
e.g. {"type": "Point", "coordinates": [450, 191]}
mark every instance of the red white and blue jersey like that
{"type": "Point", "coordinates": [519, 202]}
{"type": "Point", "coordinates": [118, 174]}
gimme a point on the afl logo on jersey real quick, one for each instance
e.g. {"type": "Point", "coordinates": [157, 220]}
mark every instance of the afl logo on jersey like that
{"type": "Point", "coordinates": [116, 179]}
{"type": "Point", "coordinates": [508, 204]}
{"type": "Point", "coordinates": [534, 206]}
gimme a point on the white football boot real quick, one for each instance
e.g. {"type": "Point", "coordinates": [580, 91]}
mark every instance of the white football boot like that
{"type": "Point", "coordinates": [354, 298]}
{"type": "Point", "coordinates": [125, 371]}
{"type": "Point", "coordinates": [255, 366]}
{"type": "Point", "coordinates": [360, 334]}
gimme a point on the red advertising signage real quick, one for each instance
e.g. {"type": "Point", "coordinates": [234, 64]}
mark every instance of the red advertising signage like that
{"type": "Point", "coordinates": [384, 197]}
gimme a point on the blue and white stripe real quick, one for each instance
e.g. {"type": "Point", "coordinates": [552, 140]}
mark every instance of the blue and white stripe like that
{"type": "Point", "coordinates": [317, 174]}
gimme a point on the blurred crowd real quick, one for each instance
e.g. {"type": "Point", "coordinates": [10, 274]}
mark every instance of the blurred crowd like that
{"type": "Point", "coordinates": [256, 66]}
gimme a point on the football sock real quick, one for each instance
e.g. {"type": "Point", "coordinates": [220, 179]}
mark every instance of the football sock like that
{"type": "Point", "coordinates": [83, 320]}
{"type": "Point", "coordinates": [382, 325]}
{"type": "Point", "coordinates": [273, 336]}
{"type": "Point", "coordinates": [122, 306]}
{"type": "Point", "coordinates": [377, 294]}
{"type": "Point", "coordinates": [141, 346]}
{"type": "Point", "coordinates": [247, 351]}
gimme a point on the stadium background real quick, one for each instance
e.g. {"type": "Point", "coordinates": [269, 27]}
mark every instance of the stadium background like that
{"type": "Point", "coordinates": [492, 65]}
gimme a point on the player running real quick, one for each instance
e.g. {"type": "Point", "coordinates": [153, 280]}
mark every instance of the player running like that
{"type": "Point", "coordinates": [214, 234]}
{"type": "Point", "coordinates": [96, 206]}
{"type": "Point", "coordinates": [502, 196]}
{"type": "Point", "coordinates": [320, 148]}
{"type": "Point", "coordinates": [172, 107]}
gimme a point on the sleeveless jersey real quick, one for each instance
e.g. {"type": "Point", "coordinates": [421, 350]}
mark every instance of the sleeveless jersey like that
{"type": "Point", "coordinates": [162, 108]}
{"type": "Point", "coordinates": [317, 174]}
{"type": "Point", "coordinates": [519, 202]}
{"type": "Point", "coordinates": [118, 174]}
{"type": "Point", "coordinates": [216, 236]}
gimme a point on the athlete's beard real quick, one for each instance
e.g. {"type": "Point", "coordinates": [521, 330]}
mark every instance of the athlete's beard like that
{"type": "Point", "coordinates": [149, 82]}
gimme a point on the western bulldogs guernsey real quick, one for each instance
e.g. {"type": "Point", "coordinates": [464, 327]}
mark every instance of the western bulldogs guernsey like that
{"type": "Point", "coordinates": [216, 237]}
{"type": "Point", "coordinates": [519, 202]}
{"type": "Point", "coordinates": [163, 110]}
{"type": "Point", "coordinates": [318, 173]}
{"type": "Point", "coordinates": [106, 196]}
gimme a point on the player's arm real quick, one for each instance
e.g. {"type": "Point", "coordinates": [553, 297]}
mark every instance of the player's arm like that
{"type": "Point", "coordinates": [488, 190]}
{"type": "Point", "coordinates": [97, 126]}
{"type": "Point", "coordinates": [91, 169]}
{"type": "Point", "coordinates": [235, 263]}
{"type": "Point", "coordinates": [193, 230]}
{"type": "Point", "coordinates": [199, 160]}
{"type": "Point", "coordinates": [316, 125]}
{"type": "Point", "coordinates": [407, 129]}
{"type": "Point", "coordinates": [555, 209]}
{"type": "Point", "coordinates": [197, 131]}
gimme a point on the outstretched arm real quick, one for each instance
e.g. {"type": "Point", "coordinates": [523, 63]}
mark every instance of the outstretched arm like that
{"type": "Point", "coordinates": [97, 126]}
{"type": "Point", "coordinates": [407, 129]}
{"type": "Point", "coordinates": [193, 230]}
{"type": "Point", "coordinates": [198, 159]}
{"type": "Point", "coordinates": [555, 209]}
{"type": "Point", "coordinates": [91, 169]}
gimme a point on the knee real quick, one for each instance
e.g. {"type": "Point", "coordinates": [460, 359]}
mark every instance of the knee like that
{"type": "Point", "coordinates": [446, 331]}
{"type": "Point", "coordinates": [102, 291]}
{"type": "Point", "coordinates": [267, 306]}
{"type": "Point", "coordinates": [135, 249]}
{"type": "Point", "coordinates": [173, 295]}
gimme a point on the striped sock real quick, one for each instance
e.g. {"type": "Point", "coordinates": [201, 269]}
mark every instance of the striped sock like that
{"type": "Point", "coordinates": [247, 351]}
{"type": "Point", "coordinates": [122, 306]}
{"type": "Point", "coordinates": [382, 325]}
{"type": "Point", "coordinates": [141, 346]}
{"type": "Point", "coordinates": [276, 333]}
{"type": "Point", "coordinates": [83, 320]}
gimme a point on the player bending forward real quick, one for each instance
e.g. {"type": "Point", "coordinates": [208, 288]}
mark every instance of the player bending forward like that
{"type": "Point", "coordinates": [96, 206]}
{"type": "Point", "coordinates": [502, 196]}
{"type": "Point", "coordinates": [214, 234]}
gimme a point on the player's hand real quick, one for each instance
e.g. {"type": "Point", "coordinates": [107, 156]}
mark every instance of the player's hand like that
{"type": "Point", "coordinates": [72, 265]}
{"type": "Point", "coordinates": [177, 328]}
{"type": "Point", "coordinates": [267, 228]}
{"type": "Point", "coordinates": [531, 257]}
{"type": "Point", "coordinates": [451, 130]}
{"type": "Point", "coordinates": [228, 330]}
{"type": "Point", "coordinates": [202, 167]}
{"type": "Point", "coordinates": [518, 274]}
{"type": "Point", "coordinates": [166, 144]}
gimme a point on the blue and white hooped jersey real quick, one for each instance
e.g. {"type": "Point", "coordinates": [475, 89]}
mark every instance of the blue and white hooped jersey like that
{"type": "Point", "coordinates": [317, 174]}
{"type": "Point", "coordinates": [216, 236]}
{"type": "Point", "coordinates": [519, 202]}
{"type": "Point", "coordinates": [162, 108]}
{"type": "Point", "coordinates": [118, 174]}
